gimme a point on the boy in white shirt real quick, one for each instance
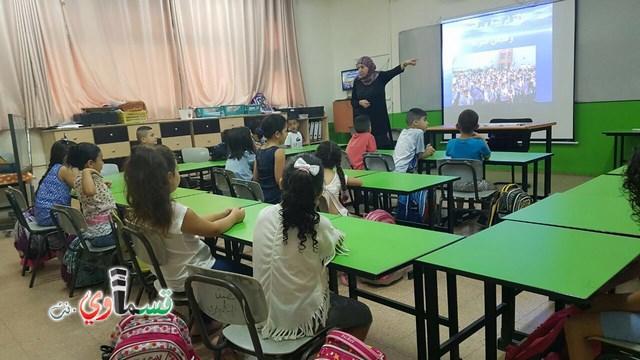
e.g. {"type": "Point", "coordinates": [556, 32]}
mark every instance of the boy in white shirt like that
{"type": "Point", "coordinates": [294, 138]}
{"type": "Point", "coordinates": [410, 145]}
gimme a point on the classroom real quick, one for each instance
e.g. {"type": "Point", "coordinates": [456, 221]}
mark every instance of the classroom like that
{"type": "Point", "coordinates": [284, 94]}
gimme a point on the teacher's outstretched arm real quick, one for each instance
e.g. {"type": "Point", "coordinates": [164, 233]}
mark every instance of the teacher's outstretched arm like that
{"type": "Point", "coordinates": [406, 63]}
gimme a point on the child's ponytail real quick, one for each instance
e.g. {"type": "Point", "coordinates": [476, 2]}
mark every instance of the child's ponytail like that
{"type": "Point", "coordinates": [302, 183]}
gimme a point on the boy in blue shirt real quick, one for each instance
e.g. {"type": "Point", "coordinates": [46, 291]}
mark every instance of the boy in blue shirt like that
{"type": "Point", "coordinates": [470, 145]}
{"type": "Point", "coordinates": [410, 145]}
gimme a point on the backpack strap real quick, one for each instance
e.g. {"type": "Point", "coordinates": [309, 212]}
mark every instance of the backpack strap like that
{"type": "Point", "coordinates": [342, 338]}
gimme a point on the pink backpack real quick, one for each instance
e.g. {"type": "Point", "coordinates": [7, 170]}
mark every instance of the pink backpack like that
{"type": "Point", "coordinates": [543, 339]}
{"type": "Point", "coordinates": [380, 216]}
{"type": "Point", "coordinates": [139, 337]}
{"type": "Point", "coordinates": [342, 346]}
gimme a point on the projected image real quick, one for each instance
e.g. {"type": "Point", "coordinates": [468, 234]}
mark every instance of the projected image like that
{"type": "Point", "coordinates": [502, 58]}
{"type": "Point", "coordinates": [490, 77]}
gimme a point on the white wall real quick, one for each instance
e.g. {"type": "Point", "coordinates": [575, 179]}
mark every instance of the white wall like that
{"type": "Point", "coordinates": [333, 34]}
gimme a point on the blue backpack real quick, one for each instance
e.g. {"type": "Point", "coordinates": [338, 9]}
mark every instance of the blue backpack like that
{"type": "Point", "coordinates": [413, 207]}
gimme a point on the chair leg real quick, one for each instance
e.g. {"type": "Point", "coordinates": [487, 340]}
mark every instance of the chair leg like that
{"type": "Point", "coordinates": [75, 275]}
{"type": "Point", "coordinates": [41, 250]}
{"type": "Point", "coordinates": [25, 264]}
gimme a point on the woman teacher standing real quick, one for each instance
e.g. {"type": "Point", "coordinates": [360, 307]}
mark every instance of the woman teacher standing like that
{"type": "Point", "coordinates": [368, 97]}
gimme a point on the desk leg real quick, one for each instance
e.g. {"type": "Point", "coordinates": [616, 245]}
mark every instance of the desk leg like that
{"type": "Point", "coordinates": [366, 201]}
{"type": "Point", "coordinates": [508, 317]}
{"type": "Point", "coordinates": [452, 304]}
{"type": "Point", "coordinates": [431, 206]}
{"type": "Point", "coordinates": [333, 280]}
{"type": "Point", "coordinates": [525, 177]}
{"type": "Point", "coordinates": [433, 326]}
{"type": "Point", "coordinates": [535, 181]}
{"type": "Point", "coordinates": [615, 151]}
{"type": "Point", "coordinates": [547, 165]}
{"type": "Point", "coordinates": [450, 210]}
{"type": "Point", "coordinates": [490, 321]}
{"type": "Point", "coordinates": [353, 285]}
{"type": "Point", "coordinates": [621, 150]}
{"type": "Point", "coordinates": [418, 293]}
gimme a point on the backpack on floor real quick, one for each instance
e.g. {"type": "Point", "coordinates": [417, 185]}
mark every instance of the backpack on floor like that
{"type": "Point", "coordinates": [342, 346]}
{"type": "Point", "coordinates": [383, 216]}
{"type": "Point", "coordinates": [139, 337]}
{"type": "Point", "coordinates": [511, 199]}
{"type": "Point", "coordinates": [28, 252]}
{"type": "Point", "coordinates": [413, 207]}
{"type": "Point", "coordinates": [545, 339]}
{"type": "Point", "coordinates": [87, 275]}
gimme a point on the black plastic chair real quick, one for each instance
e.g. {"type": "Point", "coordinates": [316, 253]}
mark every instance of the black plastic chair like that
{"type": "Point", "coordinates": [516, 141]}
{"type": "Point", "coordinates": [244, 304]}
{"type": "Point", "coordinates": [222, 181]}
{"type": "Point", "coordinates": [378, 162]}
{"type": "Point", "coordinates": [246, 189]}
{"type": "Point", "coordinates": [70, 220]}
{"type": "Point", "coordinates": [37, 233]}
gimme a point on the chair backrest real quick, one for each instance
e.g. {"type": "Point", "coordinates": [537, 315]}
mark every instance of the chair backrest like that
{"type": "Point", "coordinates": [247, 189]}
{"type": "Point", "coordinates": [69, 220]}
{"type": "Point", "coordinates": [222, 181]}
{"type": "Point", "coordinates": [345, 162]}
{"type": "Point", "coordinates": [323, 205]}
{"type": "Point", "coordinates": [116, 228]}
{"type": "Point", "coordinates": [18, 205]}
{"type": "Point", "coordinates": [467, 169]}
{"type": "Point", "coordinates": [146, 245]}
{"type": "Point", "coordinates": [519, 141]}
{"type": "Point", "coordinates": [378, 162]}
{"type": "Point", "coordinates": [109, 169]}
{"type": "Point", "coordinates": [395, 134]}
{"type": "Point", "coordinates": [227, 297]}
{"type": "Point", "coordinates": [195, 154]}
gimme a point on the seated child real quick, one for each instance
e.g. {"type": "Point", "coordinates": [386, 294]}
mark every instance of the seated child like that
{"type": "Point", "coordinates": [270, 159]}
{"type": "Point", "coordinates": [146, 136]}
{"type": "Point", "coordinates": [294, 138]}
{"type": "Point", "coordinates": [241, 152]}
{"type": "Point", "coordinates": [469, 145]}
{"type": "Point", "coordinates": [93, 193]}
{"type": "Point", "coordinates": [292, 245]}
{"type": "Point", "coordinates": [410, 145]}
{"type": "Point", "coordinates": [335, 182]}
{"type": "Point", "coordinates": [361, 142]}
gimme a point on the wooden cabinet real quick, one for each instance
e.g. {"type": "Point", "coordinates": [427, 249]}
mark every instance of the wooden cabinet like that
{"type": "Point", "coordinates": [314, 130]}
{"type": "Point", "coordinates": [342, 116]}
{"type": "Point", "coordinates": [230, 123]}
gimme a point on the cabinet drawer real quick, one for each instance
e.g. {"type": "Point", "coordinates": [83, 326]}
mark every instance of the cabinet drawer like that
{"type": "Point", "coordinates": [206, 126]}
{"type": "Point", "coordinates": [177, 142]}
{"type": "Point", "coordinates": [175, 129]}
{"type": "Point", "coordinates": [231, 123]}
{"type": "Point", "coordinates": [206, 140]}
{"type": "Point", "coordinates": [131, 129]}
{"type": "Point", "coordinates": [115, 150]}
{"type": "Point", "coordinates": [77, 136]}
{"type": "Point", "coordinates": [110, 134]}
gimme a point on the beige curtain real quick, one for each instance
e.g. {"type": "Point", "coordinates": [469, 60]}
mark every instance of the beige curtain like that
{"type": "Point", "coordinates": [63, 55]}
{"type": "Point", "coordinates": [100, 51]}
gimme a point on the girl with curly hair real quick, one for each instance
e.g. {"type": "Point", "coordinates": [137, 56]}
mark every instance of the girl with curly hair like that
{"type": "Point", "coordinates": [292, 245]}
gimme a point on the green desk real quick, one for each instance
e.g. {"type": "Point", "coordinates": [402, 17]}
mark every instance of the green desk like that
{"type": "Point", "coordinates": [603, 185]}
{"type": "Point", "coordinates": [117, 182]}
{"type": "Point", "coordinates": [562, 263]}
{"type": "Point", "coordinates": [618, 153]}
{"type": "Point", "coordinates": [605, 214]}
{"type": "Point", "coordinates": [206, 203]}
{"type": "Point", "coordinates": [201, 166]}
{"type": "Point", "coordinates": [521, 159]}
{"type": "Point", "coordinates": [121, 197]}
{"type": "Point", "coordinates": [357, 173]}
{"type": "Point", "coordinates": [300, 150]}
{"type": "Point", "coordinates": [406, 183]}
{"type": "Point", "coordinates": [385, 152]}
{"type": "Point", "coordinates": [619, 171]}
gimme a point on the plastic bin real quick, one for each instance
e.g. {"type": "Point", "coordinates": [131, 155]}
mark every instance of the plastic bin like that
{"type": "Point", "coordinates": [211, 111]}
{"type": "Point", "coordinates": [132, 117]}
{"type": "Point", "coordinates": [253, 109]}
{"type": "Point", "coordinates": [233, 110]}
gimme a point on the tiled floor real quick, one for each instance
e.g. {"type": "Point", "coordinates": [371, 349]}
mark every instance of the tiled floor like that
{"type": "Point", "coordinates": [26, 332]}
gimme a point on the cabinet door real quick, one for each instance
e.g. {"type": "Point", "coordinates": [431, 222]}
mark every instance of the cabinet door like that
{"type": "Point", "coordinates": [209, 126]}
{"type": "Point", "coordinates": [175, 129]}
{"type": "Point", "coordinates": [229, 123]}
{"type": "Point", "coordinates": [78, 136]}
{"type": "Point", "coordinates": [131, 129]}
{"type": "Point", "coordinates": [115, 150]}
{"type": "Point", "coordinates": [176, 143]}
{"type": "Point", "coordinates": [110, 134]}
{"type": "Point", "coordinates": [342, 116]}
{"type": "Point", "coordinates": [206, 140]}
